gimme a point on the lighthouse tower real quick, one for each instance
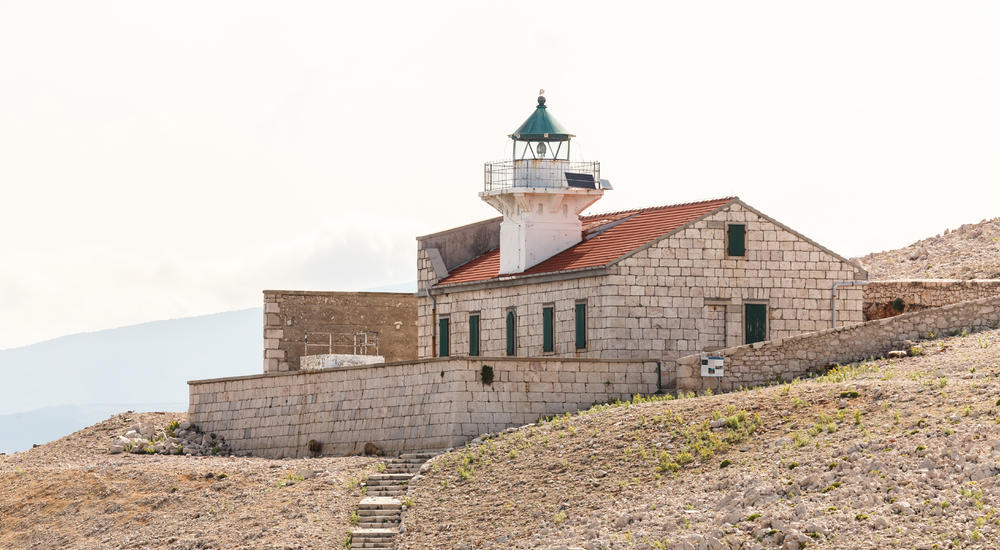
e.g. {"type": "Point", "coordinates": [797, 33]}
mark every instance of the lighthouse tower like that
{"type": "Point", "coordinates": [540, 192]}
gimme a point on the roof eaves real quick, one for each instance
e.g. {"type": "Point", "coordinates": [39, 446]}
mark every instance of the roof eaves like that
{"type": "Point", "coordinates": [517, 277]}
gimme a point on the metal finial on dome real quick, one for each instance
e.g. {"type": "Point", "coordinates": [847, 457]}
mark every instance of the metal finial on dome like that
{"type": "Point", "coordinates": [541, 126]}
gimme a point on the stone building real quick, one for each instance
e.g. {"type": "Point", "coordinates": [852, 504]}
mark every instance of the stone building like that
{"type": "Point", "coordinates": [652, 283]}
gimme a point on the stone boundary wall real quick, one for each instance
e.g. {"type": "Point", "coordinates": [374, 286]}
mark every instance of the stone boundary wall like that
{"type": "Point", "coordinates": [788, 358]}
{"type": "Point", "coordinates": [918, 294]}
{"type": "Point", "coordinates": [423, 404]}
{"type": "Point", "coordinates": [291, 315]}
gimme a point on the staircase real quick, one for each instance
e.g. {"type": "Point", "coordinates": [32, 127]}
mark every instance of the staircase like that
{"type": "Point", "coordinates": [382, 509]}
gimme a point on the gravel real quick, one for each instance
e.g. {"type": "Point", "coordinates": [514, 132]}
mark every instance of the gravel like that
{"type": "Point", "coordinates": [970, 252]}
{"type": "Point", "coordinates": [72, 493]}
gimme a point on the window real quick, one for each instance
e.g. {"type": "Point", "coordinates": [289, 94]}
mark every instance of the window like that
{"type": "Point", "coordinates": [581, 325]}
{"type": "Point", "coordinates": [548, 340]}
{"type": "Point", "coordinates": [511, 333]}
{"type": "Point", "coordinates": [474, 334]}
{"type": "Point", "coordinates": [755, 322]}
{"type": "Point", "coordinates": [443, 337]}
{"type": "Point", "coordinates": [736, 237]}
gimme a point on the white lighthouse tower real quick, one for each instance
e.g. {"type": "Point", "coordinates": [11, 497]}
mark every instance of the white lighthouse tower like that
{"type": "Point", "coordinates": [540, 192]}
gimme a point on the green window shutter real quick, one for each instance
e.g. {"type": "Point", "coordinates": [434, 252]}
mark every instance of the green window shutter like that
{"type": "Point", "coordinates": [511, 328]}
{"type": "Point", "coordinates": [581, 326]}
{"type": "Point", "coordinates": [548, 343]}
{"type": "Point", "coordinates": [473, 335]}
{"type": "Point", "coordinates": [737, 239]}
{"type": "Point", "coordinates": [443, 337]}
{"type": "Point", "coordinates": [755, 322]}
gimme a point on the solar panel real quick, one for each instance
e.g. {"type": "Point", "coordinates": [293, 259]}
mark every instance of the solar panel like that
{"type": "Point", "coordinates": [585, 181]}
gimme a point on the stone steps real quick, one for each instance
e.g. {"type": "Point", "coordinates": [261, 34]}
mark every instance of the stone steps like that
{"type": "Point", "coordinates": [381, 511]}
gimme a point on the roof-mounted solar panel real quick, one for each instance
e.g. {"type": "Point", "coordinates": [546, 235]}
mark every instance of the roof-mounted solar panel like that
{"type": "Point", "coordinates": [584, 181]}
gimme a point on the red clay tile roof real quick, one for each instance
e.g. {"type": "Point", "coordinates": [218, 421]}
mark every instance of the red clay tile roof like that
{"type": "Point", "coordinates": [634, 229]}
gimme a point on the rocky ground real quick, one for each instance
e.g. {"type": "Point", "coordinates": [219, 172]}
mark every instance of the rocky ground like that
{"type": "Point", "coordinates": [73, 494]}
{"type": "Point", "coordinates": [901, 453]}
{"type": "Point", "coordinates": [970, 252]}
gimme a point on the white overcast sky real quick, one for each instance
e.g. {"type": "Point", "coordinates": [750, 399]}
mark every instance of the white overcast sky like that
{"type": "Point", "coordinates": [161, 160]}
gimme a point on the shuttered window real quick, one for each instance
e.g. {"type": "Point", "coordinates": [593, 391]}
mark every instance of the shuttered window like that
{"type": "Point", "coordinates": [755, 323]}
{"type": "Point", "coordinates": [581, 325]}
{"type": "Point", "coordinates": [548, 341]}
{"type": "Point", "coordinates": [443, 337]}
{"type": "Point", "coordinates": [474, 335]}
{"type": "Point", "coordinates": [737, 239]}
{"type": "Point", "coordinates": [511, 333]}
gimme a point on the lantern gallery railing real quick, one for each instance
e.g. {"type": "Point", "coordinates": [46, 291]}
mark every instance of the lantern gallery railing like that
{"type": "Point", "coordinates": [507, 174]}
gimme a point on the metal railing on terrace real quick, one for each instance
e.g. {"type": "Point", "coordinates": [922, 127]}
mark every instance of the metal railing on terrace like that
{"type": "Point", "coordinates": [357, 343]}
{"type": "Point", "coordinates": [507, 174]}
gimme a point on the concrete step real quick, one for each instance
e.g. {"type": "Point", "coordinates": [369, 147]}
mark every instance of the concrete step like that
{"type": "Point", "coordinates": [378, 513]}
{"type": "Point", "coordinates": [380, 503]}
{"type": "Point", "coordinates": [390, 477]}
{"type": "Point", "coordinates": [425, 455]}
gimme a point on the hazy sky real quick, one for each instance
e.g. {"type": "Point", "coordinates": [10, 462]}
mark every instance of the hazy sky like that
{"type": "Point", "coordinates": [171, 159]}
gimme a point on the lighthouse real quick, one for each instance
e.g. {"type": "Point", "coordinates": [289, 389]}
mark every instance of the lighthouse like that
{"type": "Point", "coordinates": [540, 191]}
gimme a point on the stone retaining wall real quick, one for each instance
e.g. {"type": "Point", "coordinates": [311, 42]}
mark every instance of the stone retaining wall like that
{"type": "Point", "coordinates": [424, 404]}
{"type": "Point", "coordinates": [880, 297]}
{"type": "Point", "coordinates": [788, 358]}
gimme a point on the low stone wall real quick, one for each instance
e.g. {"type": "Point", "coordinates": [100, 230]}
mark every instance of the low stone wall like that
{"type": "Point", "coordinates": [761, 363]}
{"type": "Point", "coordinates": [423, 404]}
{"type": "Point", "coordinates": [888, 298]}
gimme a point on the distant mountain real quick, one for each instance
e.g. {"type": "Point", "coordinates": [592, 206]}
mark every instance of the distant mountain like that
{"type": "Point", "coordinates": [19, 431]}
{"type": "Point", "coordinates": [147, 363]}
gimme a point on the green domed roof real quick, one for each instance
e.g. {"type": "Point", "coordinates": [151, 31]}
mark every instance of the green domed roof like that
{"type": "Point", "coordinates": [541, 126]}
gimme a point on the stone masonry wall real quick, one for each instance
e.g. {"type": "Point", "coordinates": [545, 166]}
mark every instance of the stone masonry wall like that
{"type": "Point", "coordinates": [661, 299]}
{"type": "Point", "coordinates": [425, 404]}
{"type": "Point", "coordinates": [788, 358]}
{"type": "Point", "coordinates": [668, 300]}
{"type": "Point", "coordinates": [292, 315]}
{"type": "Point", "coordinates": [917, 294]}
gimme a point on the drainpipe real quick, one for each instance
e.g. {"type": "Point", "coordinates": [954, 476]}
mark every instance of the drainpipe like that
{"type": "Point", "coordinates": [837, 285]}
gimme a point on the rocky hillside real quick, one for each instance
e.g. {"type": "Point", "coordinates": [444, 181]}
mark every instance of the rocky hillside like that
{"type": "Point", "coordinates": [900, 453]}
{"type": "Point", "coordinates": [970, 252]}
{"type": "Point", "coordinates": [890, 453]}
{"type": "Point", "coordinates": [71, 493]}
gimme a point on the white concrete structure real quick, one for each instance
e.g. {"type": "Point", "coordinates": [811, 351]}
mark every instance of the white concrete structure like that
{"type": "Point", "coordinates": [538, 222]}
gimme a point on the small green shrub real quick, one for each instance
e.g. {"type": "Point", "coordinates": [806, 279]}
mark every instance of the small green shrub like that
{"type": "Point", "coordinates": [849, 394]}
{"type": "Point", "coordinates": [486, 374]}
{"type": "Point", "coordinates": [725, 463]}
{"type": "Point", "coordinates": [898, 305]}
